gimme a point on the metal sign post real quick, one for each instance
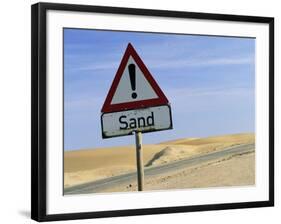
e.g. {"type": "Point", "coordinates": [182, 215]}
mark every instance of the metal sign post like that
{"type": "Point", "coordinates": [140, 170]}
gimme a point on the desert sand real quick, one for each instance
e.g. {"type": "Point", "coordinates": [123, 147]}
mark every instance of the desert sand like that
{"type": "Point", "coordinates": [85, 165]}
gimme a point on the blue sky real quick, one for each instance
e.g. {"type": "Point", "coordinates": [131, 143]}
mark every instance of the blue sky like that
{"type": "Point", "coordinates": [209, 81]}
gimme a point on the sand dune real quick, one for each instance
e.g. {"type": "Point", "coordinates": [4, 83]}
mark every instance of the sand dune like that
{"type": "Point", "coordinates": [87, 165]}
{"type": "Point", "coordinates": [82, 166]}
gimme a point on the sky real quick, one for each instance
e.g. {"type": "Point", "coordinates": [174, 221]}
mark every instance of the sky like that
{"type": "Point", "coordinates": [209, 81]}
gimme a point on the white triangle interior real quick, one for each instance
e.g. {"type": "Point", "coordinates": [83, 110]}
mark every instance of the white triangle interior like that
{"type": "Point", "coordinates": [123, 93]}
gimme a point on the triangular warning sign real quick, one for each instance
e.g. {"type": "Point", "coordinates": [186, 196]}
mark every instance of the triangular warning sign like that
{"type": "Point", "coordinates": [133, 86]}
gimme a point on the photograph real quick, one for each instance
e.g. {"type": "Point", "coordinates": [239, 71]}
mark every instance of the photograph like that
{"type": "Point", "coordinates": [155, 111]}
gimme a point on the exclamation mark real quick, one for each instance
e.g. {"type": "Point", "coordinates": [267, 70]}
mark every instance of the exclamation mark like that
{"type": "Point", "coordinates": [132, 73]}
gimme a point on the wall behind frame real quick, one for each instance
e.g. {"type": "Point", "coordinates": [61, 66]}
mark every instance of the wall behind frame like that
{"type": "Point", "coordinates": [15, 110]}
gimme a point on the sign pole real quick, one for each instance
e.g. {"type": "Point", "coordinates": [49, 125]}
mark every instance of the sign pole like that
{"type": "Point", "coordinates": [140, 171]}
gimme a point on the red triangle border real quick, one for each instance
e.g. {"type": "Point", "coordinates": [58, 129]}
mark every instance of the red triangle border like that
{"type": "Point", "coordinates": [161, 100]}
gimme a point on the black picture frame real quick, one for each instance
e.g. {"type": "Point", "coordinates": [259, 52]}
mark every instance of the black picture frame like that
{"type": "Point", "coordinates": [39, 107]}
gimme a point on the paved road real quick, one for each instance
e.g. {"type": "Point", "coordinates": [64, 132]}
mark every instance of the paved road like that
{"type": "Point", "coordinates": [99, 185]}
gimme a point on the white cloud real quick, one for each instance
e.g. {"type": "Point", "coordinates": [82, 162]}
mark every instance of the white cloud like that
{"type": "Point", "coordinates": [181, 53]}
{"type": "Point", "coordinates": [171, 63]}
{"type": "Point", "coordinates": [175, 95]}
{"type": "Point", "coordinates": [201, 62]}
{"type": "Point", "coordinates": [85, 103]}
{"type": "Point", "coordinates": [99, 66]}
{"type": "Point", "coordinates": [179, 94]}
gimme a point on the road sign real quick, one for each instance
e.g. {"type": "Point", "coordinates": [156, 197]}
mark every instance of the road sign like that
{"type": "Point", "coordinates": [133, 86]}
{"type": "Point", "coordinates": [134, 102]}
{"type": "Point", "coordinates": [145, 120]}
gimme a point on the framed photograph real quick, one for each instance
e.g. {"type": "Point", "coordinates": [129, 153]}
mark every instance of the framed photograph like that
{"type": "Point", "coordinates": [140, 111]}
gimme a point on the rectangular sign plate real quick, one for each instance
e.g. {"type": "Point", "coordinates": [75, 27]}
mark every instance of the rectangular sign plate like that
{"type": "Point", "coordinates": [145, 120]}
